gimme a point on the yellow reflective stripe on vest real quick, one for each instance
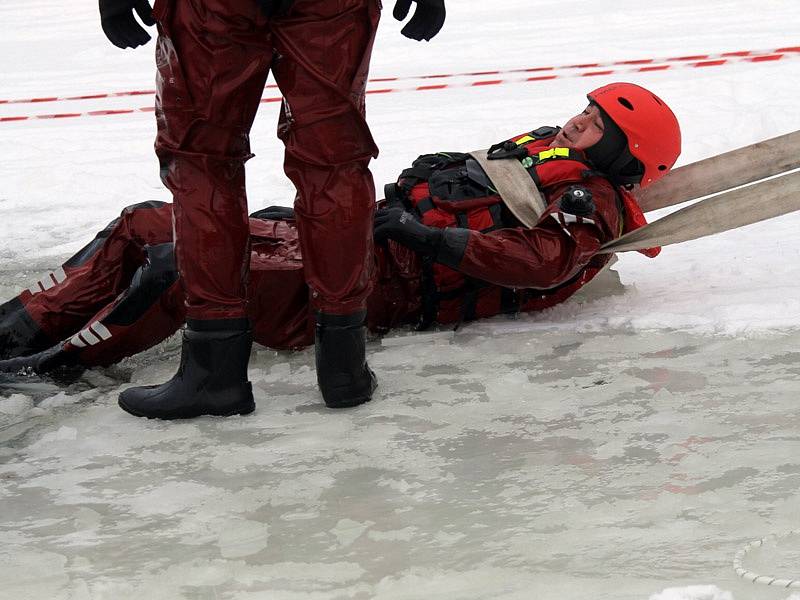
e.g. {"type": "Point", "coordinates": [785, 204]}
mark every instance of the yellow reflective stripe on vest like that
{"type": "Point", "coordinates": [524, 140]}
{"type": "Point", "coordinates": [553, 152]}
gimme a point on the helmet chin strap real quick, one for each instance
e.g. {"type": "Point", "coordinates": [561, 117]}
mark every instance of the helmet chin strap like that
{"type": "Point", "coordinates": [626, 170]}
{"type": "Point", "coordinates": [611, 154]}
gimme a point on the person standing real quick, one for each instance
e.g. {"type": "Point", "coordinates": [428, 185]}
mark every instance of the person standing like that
{"type": "Point", "coordinates": [213, 58]}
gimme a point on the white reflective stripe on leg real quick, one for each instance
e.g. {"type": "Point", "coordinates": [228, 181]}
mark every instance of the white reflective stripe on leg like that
{"type": "Point", "coordinates": [100, 329]}
{"type": "Point", "coordinates": [76, 341]}
{"type": "Point", "coordinates": [53, 278]}
{"type": "Point", "coordinates": [59, 275]}
{"type": "Point", "coordinates": [89, 336]}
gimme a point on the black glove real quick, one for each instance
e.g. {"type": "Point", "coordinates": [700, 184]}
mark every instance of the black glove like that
{"type": "Point", "coordinates": [121, 27]}
{"type": "Point", "coordinates": [275, 8]}
{"type": "Point", "coordinates": [401, 226]}
{"type": "Point", "coordinates": [427, 20]}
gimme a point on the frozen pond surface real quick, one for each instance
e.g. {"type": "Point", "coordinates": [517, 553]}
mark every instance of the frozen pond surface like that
{"type": "Point", "coordinates": [537, 464]}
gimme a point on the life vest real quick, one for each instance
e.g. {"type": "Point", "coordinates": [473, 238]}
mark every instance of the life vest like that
{"type": "Point", "coordinates": [450, 189]}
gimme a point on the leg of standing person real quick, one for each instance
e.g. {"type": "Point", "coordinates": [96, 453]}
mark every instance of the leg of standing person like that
{"type": "Point", "coordinates": [323, 52]}
{"type": "Point", "coordinates": [213, 57]}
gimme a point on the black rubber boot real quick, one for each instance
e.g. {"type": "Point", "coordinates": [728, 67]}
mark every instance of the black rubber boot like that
{"type": "Point", "coordinates": [343, 375]}
{"type": "Point", "coordinates": [19, 333]}
{"type": "Point", "coordinates": [211, 379]}
{"type": "Point", "coordinates": [41, 362]}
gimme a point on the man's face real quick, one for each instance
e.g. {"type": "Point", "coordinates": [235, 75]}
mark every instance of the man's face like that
{"type": "Point", "coordinates": [581, 131]}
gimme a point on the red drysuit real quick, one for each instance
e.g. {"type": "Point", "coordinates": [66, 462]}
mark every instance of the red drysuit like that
{"type": "Point", "coordinates": [213, 58]}
{"type": "Point", "coordinates": [121, 294]}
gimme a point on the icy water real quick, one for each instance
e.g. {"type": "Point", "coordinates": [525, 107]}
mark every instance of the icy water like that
{"type": "Point", "coordinates": [491, 464]}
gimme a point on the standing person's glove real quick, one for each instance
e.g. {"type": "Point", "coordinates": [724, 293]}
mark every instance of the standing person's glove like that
{"type": "Point", "coordinates": [402, 227]}
{"type": "Point", "coordinates": [427, 20]}
{"type": "Point", "coordinates": [121, 27]}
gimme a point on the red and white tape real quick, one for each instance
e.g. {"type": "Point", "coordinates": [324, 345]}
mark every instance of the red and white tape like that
{"type": "Point", "coordinates": [594, 72]}
{"type": "Point", "coordinates": [523, 75]}
{"type": "Point", "coordinates": [581, 66]}
{"type": "Point", "coordinates": [616, 63]}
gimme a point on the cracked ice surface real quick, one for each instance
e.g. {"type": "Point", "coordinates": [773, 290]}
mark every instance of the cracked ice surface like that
{"type": "Point", "coordinates": [491, 464]}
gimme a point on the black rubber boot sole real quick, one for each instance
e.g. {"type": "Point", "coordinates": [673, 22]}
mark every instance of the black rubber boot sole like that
{"type": "Point", "coordinates": [194, 410]}
{"type": "Point", "coordinates": [211, 379]}
{"type": "Point", "coordinates": [346, 399]}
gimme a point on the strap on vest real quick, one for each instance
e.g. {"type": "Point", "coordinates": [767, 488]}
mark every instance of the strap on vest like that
{"type": "Point", "coordinates": [424, 206]}
{"type": "Point", "coordinates": [515, 186]}
{"type": "Point", "coordinates": [430, 295]}
{"type": "Point", "coordinates": [393, 194]}
{"type": "Point", "coordinates": [509, 301]}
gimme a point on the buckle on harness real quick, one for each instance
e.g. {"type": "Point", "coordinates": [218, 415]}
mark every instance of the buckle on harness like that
{"type": "Point", "coordinates": [506, 150]}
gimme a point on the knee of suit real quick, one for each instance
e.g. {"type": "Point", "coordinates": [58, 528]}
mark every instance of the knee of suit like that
{"type": "Point", "coordinates": [148, 221]}
{"type": "Point", "coordinates": [149, 204]}
{"type": "Point", "coordinates": [204, 140]}
{"type": "Point", "coordinates": [128, 214]}
{"type": "Point", "coordinates": [343, 195]}
{"type": "Point", "coordinates": [337, 139]}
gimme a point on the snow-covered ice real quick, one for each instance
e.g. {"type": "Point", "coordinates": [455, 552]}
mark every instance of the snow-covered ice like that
{"type": "Point", "coordinates": [622, 446]}
{"type": "Point", "coordinates": [491, 465]}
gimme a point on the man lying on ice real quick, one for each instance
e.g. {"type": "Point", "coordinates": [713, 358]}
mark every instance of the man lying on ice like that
{"type": "Point", "coordinates": [448, 249]}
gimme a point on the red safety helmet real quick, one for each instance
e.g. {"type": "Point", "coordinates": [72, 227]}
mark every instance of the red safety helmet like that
{"type": "Point", "coordinates": [652, 131]}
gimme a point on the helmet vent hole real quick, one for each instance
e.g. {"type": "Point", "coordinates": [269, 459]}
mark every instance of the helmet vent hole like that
{"type": "Point", "coordinates": [625, 102]}
{"type": "Point", "coordinates": [656, 98]}
{"type": "Point", "coordinates": [662, 167]}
